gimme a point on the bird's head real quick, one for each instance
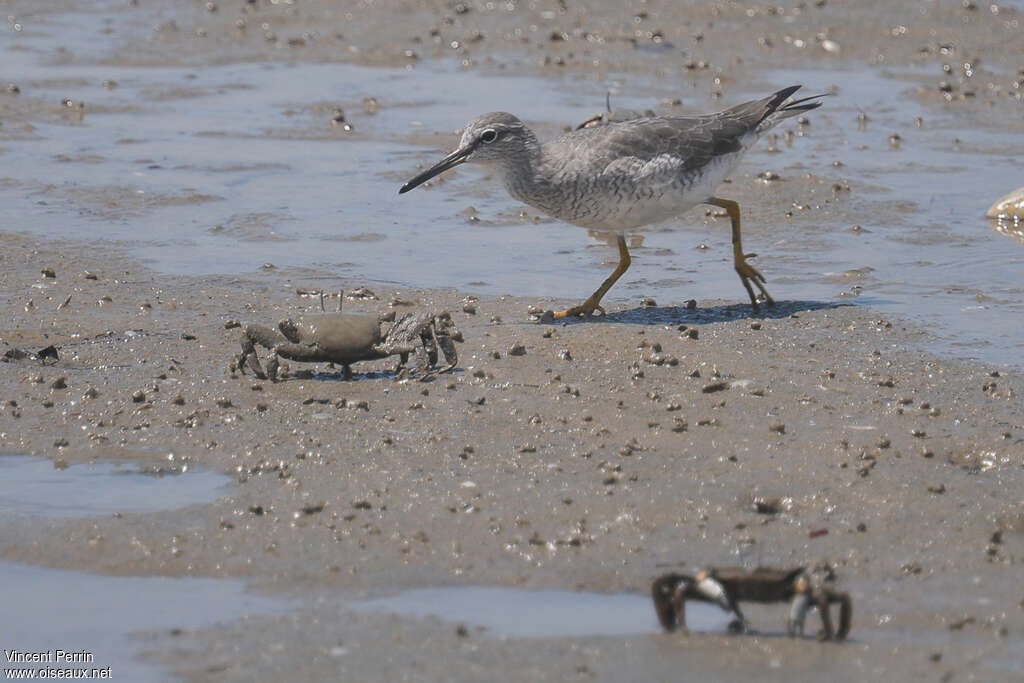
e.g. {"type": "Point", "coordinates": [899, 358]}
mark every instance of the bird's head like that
{"type": "Point", "coordinates": [498, 137]}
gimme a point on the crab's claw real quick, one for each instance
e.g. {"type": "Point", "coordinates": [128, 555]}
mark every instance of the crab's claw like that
{"type": "Point", "coordinates": [445, 342]}
{"type": "Point", "coordinates": [714, 592]}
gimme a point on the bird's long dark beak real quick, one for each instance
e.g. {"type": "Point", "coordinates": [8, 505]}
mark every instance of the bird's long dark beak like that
{"type": "Point", "coordinates": [450, 161]}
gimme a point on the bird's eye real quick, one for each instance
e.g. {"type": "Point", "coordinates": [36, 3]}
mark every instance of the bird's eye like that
{"type": "Point", "coordinates": [489, 135]}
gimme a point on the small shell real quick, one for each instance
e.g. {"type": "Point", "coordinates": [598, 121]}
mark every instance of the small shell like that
{"type": "Point", "coordinates": [1009, 207]}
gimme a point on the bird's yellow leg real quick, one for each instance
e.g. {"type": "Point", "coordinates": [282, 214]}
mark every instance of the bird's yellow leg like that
{"type": "Point", "coordinates": [747, 272]}
{"type": "Point", "coordinates": [593, 302]}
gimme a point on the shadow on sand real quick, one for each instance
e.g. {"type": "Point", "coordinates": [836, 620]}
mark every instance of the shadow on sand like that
{"type": "Point", "coordinates": [676, 315]}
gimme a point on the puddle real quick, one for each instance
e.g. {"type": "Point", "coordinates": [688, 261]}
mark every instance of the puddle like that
{"type": "Point", "coordinates": [35, 487]}
{"type": "Point", "coordinates": [46, 610]}
{"type": "Point", "coordinates": [513, 613]}
{"type": "Point", "coordinates": [223, 168]}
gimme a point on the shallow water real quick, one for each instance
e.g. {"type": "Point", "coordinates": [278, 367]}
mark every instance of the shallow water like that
{"type": "Point", "coordinates": [50, 609]}
{"type": "Point", "coordinates": [225, 168]}
{"type": "Point", "coordinates": [514, 613]}
{"type": "Point", "coordinates": [36, 487]}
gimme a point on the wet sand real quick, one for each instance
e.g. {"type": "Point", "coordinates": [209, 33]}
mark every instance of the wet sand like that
{"type": "Point", "coordinates": [609, 452]}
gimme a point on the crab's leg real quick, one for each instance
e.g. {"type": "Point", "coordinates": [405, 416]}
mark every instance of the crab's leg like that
{"type": "Point", "coordinates": [663, 592]}
{"type": "Point", "coordinates": [679, 605]}
{"type": "Point", "coordinates": [825, 597]}
{"type": "Point", "coordinates": [253, 335]}
{"type": "Point", "coordinates": [247, 357]}
{"type": "Point", "coordinates": [845, 614]}
{"type": "Point", "coordinates": [303, 353]}
{"type": "Point", "coordinates": [428, 337]}
{"type": "Point", "coordinates": [798, 614]}
{"type": "Point", "coordinates": [447, 346]}
{"type": "Point", "coordinates": [821, 602]}
{"type": "Point", "coordinates": [422, 357]}
{"type": "Point", "coordinates": [272, 365]}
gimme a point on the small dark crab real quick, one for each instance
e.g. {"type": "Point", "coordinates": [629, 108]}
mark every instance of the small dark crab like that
{"type": "Point", "coordinates": [615, 115]}
{"type": "Point", "coordinates": [727, 586]}
{"type": "Point", "coordinates": [347, 338]}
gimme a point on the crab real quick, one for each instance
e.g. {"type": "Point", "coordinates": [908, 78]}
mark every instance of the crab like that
{"type": "Point", "coordinates": [347, 338]}
{"type": "Point", "coordinates": [614, 115]}
{"type": "Point", "coordinates": [727, 586]}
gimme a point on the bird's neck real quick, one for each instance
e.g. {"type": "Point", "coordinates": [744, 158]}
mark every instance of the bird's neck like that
{"type": "Point", "coordinates": [522, 173]}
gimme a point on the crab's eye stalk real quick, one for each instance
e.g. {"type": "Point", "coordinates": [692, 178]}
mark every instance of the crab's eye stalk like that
{"type": "Point", "coordinates": [489, 135]}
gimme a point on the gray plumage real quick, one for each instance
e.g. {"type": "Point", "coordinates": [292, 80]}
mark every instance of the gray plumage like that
{"type": "Point", "coordinates": [626, 174]}
{"type": "Point", "coordinates": [620, 175]}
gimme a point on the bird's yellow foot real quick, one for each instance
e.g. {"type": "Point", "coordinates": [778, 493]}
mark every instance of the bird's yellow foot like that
{"type": "Point", "coordinates": [587, 309]}
{"type": "Point", "coordinates": [748, 274]}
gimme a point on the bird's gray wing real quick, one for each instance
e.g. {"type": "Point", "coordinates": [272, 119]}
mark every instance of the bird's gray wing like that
{"type": "Point", "coordinates": [687, 142]}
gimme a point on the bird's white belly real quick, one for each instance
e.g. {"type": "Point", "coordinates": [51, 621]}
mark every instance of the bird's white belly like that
{"type": "Point", "coordinates": [647, 200]}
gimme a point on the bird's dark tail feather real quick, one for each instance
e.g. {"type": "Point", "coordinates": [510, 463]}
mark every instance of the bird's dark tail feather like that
{"type": "Point", "coordinates": [776, 107]}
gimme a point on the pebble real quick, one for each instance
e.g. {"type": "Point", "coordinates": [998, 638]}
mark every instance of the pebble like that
{"type": "Point", "coordinates": [767, 505]}
{"type": "Point", "coordinates": [361, 293]}
{"type": "Point", "coordinates": [715, 387]}
{"type": "Point", "coordinates": [59, 383]}
{"type": "Point", "coordinates": [139, 396]}
{"type": "Point", "coordinates": [517, 349]}
{"type": "Point", "coordinates": [777, 427]}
